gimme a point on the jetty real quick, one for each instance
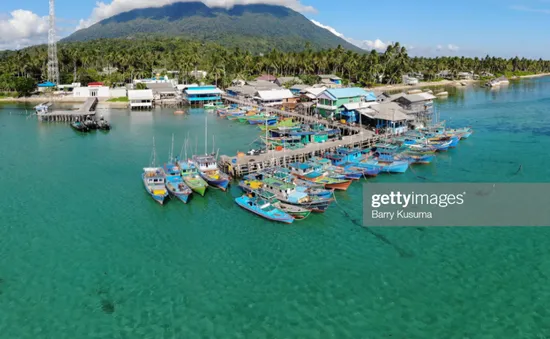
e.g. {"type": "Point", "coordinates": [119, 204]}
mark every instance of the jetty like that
{"type": "Point", "coordinates": [242, 164]}
{"type": "Point", "coordinates": [88, 109]}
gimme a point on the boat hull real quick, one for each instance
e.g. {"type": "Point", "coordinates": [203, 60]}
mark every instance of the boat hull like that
{"type": "Point", "coordinates": [160, 198]}
{"type": "Point", "coordinates": [221, 183]}
{"type": "Point", "coordinates": [287, 220]}
{"type": "Point", "coordinates": [341, 186]}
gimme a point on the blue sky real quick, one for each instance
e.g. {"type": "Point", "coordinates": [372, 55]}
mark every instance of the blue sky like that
{"type": "Point", "coordinates": [427, 27]}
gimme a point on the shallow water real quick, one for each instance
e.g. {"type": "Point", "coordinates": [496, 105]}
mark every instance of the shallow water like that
{"type": "Point", "coordinates": [85, 253]}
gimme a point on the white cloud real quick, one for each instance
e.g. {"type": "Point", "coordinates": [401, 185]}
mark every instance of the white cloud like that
{"type": "Point", "coordinates": [452, 48]}
{"type": "Point", "coordinates": [377, 44]}
{"type": "Point", "coordinates": [106, 10]}
{"type": "Point", "coordinates": [22, 28]}
{"type": "Point", "coordinates": [328, 28]}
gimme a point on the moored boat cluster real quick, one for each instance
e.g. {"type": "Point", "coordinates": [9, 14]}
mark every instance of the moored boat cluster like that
{"type": "Point", "coordinates": [285, 194]}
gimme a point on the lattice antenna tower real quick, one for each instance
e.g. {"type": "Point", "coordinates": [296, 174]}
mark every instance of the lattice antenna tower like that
{"type": "Point", "coordinates": [53, 65]}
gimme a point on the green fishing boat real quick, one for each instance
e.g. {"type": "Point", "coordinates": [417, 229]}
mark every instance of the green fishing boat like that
{"type": "Point", "coordinates": [286, 124]}
{"type": "Point", "coordinates": [192, 178]}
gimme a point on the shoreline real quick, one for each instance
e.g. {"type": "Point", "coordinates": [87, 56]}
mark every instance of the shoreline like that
{"type": "Point", "coordinates": [103, 103]}
{"type": "Point", "coordinates": [444, 83]}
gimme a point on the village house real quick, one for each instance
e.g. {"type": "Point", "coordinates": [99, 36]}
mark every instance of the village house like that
{"type": "Point", "coordinates": [277, 98]}
{"type": "Point", "coordinates": [282, 81]}
{"type": "Point", "coordinates": [446, 74]}
{"type": "Point", "coordinates": [296, 89]}
{"type": "Point", "coordinates": [330, 80]}
{"type": "Point", "coordinates": [311, 93]}
{"type": "Point", "coordinates": [163, 90]}
{"type": "Point", "coordinates": [419, 105]}
{"type": "Point", "coordinates": [386, 117]}
{"type": "Point", "coordinates": [140, 98]}
{"type": "Point", "coordinates": [465, 76]}
{"type": "Point", "coordinates": [249, 89]}
{"type": "Point", "coordinates": [266, 77]}
{"type": "Point", "coordinates": [331, 101]}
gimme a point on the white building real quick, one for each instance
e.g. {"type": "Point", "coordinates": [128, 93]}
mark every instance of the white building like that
{"type": "Point", "coordinates": [99, 92]}
{"type": "Point", "coordinates": [140, 98]}
{"type": "Point", "coordinates": [274, 97]}
{"type": "Point", "coordinates": [91, 91]}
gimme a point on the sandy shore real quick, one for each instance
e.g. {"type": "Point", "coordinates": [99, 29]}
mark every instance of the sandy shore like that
{"type": "Point", "coordinates": [422, 85]}
{"type": "Point", "coordinates": [442, 83]}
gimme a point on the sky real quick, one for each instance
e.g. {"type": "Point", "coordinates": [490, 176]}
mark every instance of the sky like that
{"type": "Point", "coordinates": [505, 28]}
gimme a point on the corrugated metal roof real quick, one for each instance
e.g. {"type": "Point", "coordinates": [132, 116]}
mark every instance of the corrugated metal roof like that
{"type": "Point", "coordinates": [279, 94]}
{"type": "Point", "coordinates": [389, 111]}
{"type": "Point", "coordinates": [338, 93]}
{"type": "Point", "coordinates": [140, 94]}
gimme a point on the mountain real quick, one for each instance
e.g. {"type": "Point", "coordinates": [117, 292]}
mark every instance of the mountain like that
{"type": "Point", "coordinates": [258, 28]}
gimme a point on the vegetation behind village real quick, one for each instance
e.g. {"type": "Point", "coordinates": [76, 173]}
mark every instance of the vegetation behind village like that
{"type": "Point", "coordinates": [85, 62]}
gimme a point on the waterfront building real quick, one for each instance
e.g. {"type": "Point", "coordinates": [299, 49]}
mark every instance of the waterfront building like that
{"type": "Point", "coordinates": [331, 101]}
{"type": "Point", "coordinates": [277, 98]}
{"type": "Point", "coordinates": [98, 91]}
{"type": "Point", "coordinates": [386, 117]}
{"type": "Point", "coordinates": [296, 89]}
{"type": "Point", "coordinates": [140, 98]}
{"type": "Point", "coordinates": [45, 86]}
{"type": "Point", "coordinates": [201, 95]}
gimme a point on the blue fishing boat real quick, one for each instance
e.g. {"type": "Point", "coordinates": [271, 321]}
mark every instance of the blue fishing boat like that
{"type": "Point", "coordinates": [208, 170]}
{"type": "Point", "coordinates": [263, 121]}
{"type": "Point", "coordinates": [366, 171]}
{"type": "Point", "coordinates": [175, 184]}
{"type": "Point", "coordinates": [441, 146]}
{"type": "Point", "coordinates": [264, 209]}
{"type": "Point", "coordinates": [417, 157]}
{"type": "Point", "coordinates": [385, 158]}
{"type": "Point", "coordinates": [336, 172]}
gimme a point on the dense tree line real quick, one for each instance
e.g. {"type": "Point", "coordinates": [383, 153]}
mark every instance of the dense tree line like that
{"type": "Point", "coordinates": [83, 62]}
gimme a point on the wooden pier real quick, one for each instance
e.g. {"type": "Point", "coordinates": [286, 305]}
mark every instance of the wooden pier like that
{"type": "Point", "coordinates": [87, 110]}
{"type": "Point", "coordinates": [239, 166]}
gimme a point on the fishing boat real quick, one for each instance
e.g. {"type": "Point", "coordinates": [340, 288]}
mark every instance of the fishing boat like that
{"type": "Point", "coordinates": [384, 158]}
{"type": "Point", "coordinates": [266, 119]}
{"type": "Point", "coordinates": [310, 172]}
{"type": "Point", "coordinates": [463, 133]}
{"type": "Point", "coordinates": [414, 157]}
{"type": "Point", "coordinates": [304, 186]}
{"type": "Point", "coordinates": [336, 172]}
{"type": "Point", "coordinates": [174, 182]}
{"type": "Point", "coordinates": [79, 126]}
{"type": "Point", "coordinates": [264, 209]}
{"type": "Point", "coordinates": [42, 109]}
{"type": "Point", "coordinates": [91, 124]}
{"type": "Point", "coordinates": [192, 178]}
{"type": "Point", "coordinates": [154, 181]}
{"type": "Point", "coordinates": [207, 167]}
{"type": "Point", "coordinates": [215, 105]}
{"type": "Point", "coordinates": [286, 124]}
{"type": "Point", "coordinates": [103, 124]}
{"type": "Point", "coordinates": [287, 192]}
{"type": "Point", "coordinates": [441, 146]}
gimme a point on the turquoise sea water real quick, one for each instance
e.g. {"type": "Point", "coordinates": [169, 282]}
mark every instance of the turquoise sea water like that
{"type": "Point", "coordinates": [85, 253]}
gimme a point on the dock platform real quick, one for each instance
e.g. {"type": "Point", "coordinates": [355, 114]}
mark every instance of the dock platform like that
{"type": "Point", "coordinates": [88, 109]}
{"type": "Point", "coordinates": [239, 166]}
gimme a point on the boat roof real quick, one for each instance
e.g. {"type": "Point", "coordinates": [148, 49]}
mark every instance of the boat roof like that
{"type": "Point", "coordinates": [300, 165]}
{"type": "Point", "coordinates": [278, 183]}
{"type": "Point", "coordinates": [204, 158]}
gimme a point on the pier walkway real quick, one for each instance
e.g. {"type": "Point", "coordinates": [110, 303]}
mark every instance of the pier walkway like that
{"type": "Point", "coordinates": [88, 109]}
{"type": "Point", "coordinates": [297, 116]}
{"type": "Point", "coordinates": [239, 166]}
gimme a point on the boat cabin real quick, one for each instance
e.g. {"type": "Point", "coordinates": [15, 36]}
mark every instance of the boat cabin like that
{"type": "Point", "coordinates": [205, 163]}
{"type": "Point", "coordinates": [154, 177]}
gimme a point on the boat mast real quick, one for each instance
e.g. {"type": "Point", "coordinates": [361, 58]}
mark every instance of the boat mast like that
{"type": "Point", "coordinates": [205, 134]}
{"type": "Point", "coordinates": [172, 149]}
{"type": "Point", "coordinates": [153, 155]}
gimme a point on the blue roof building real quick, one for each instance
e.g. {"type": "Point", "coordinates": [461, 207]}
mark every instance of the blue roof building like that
{"type": "Point", "coordinates": [202, 95]}
{"type": "Point", "coordinates": [46, 84]}
{"type": "Point", "coordinates": [332, 101]}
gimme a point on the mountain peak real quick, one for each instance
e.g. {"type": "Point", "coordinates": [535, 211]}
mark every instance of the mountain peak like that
{"type": "Point", "coordinates": [256, 27]}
